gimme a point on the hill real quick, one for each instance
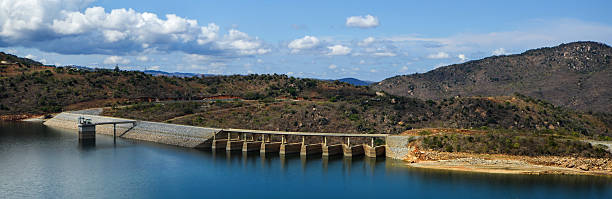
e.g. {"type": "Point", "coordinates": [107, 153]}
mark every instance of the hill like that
{"type": "Point", "coordinates": [377, 114]}
{"type": "Point", "coordinates": [279, 102]}
{"type": "Point", "coordinates": [39, 90]}
{"type": "Point", "coordinates": [356, 82]}
{"type": "Point", "coordinates": [8, 59]}
{"type": "Point", "coordinates": [172, 74]}
{"type": "Point", "coordinates": [576, 75]}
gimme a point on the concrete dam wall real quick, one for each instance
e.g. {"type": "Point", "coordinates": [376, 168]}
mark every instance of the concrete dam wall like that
{"type": "Point", "coordinates": [172, 134]}
{"type": "Point", "coordinates": [395, 147]}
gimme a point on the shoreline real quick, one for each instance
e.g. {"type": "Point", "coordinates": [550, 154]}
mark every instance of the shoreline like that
{"type": "Point", "coordinates": [509, 164]}
{"type": "Point", "coordinates": [20, 117]}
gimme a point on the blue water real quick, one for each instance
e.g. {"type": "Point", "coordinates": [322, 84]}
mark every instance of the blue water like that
{"type": "Point", "coordinates": [41, 162]}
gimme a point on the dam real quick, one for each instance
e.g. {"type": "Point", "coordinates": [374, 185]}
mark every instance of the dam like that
{"type": "Point", "coordinates": [259, 140]}
{"type": "Point", "coordinates": [245, 140]}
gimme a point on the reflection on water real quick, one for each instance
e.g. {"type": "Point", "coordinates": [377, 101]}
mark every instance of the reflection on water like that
{"type": "Point", "coordinates": [87, 144]}
{"type": "Point", "coordinates": [286, 163]}
{"type": "Point", "coordinates": [39, 162]}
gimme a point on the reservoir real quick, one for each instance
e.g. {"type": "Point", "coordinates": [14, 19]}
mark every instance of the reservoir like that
{"type": "Point", "coordinates": [41, 162]}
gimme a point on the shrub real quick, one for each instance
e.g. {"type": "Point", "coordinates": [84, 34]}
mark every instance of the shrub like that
{"type": "Point", "coordinates": [268, 100]}
{"type": "Point", "coordinates": [424, 132]}
{"type": "Point", "coordinates": [510, 143]}
{"type": "Point", "coordinates": [252, 96]}
{"type": "Point", "coordinates": [353, 117]}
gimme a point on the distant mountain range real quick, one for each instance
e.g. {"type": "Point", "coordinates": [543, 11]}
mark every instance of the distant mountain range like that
{"type": "Point", "coordinates": [576, 75]}
{"type": "Point", "coordinates": [8, 58]}
{"type": "Point", "coordinates": [174, 74]}
{"type": "Point", "coordinates": [353, 81]}
{"type": "Point", "coordinates": [356, 82]}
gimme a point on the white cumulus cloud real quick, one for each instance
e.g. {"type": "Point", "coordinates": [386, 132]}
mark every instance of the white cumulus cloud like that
{"type": "Point", "coordinates": [499, 51]}
{"type": "Point", "coordinates": [367, 21]}
{"type": "Point", "coordinates": [384, 54]}
{"type": "Point", "coordinates": [30, 56]}
{"type": "Point", "coordinates": [71, 27]}
{"type": "Point", "coordinates": [116, 60]}
{"type": "Point", "coordinates": [307, 42]}
{"type": "Point", "coordinates": [462, 57]}
{"type": "Point", "coordinates": [244, 44]}
{"type": "Point", "coordinates": [367, 41]}
{"type": "Point", "coordinates": [113, 35]}
{"type": "Point", "coordinates": [439, 55]}
{"type": "Point", "coordinates": [332, 66]}
{"type": "Point", "coordinates": [193, 58]}
{"type": "Point", "coordinates": [143, 58]}
{"type": "Point", "coordinates": [339, 50]}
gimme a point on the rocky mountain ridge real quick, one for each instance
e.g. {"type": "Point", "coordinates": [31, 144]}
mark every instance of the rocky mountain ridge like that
{"type": "Point", "coordinates": [577, 75]}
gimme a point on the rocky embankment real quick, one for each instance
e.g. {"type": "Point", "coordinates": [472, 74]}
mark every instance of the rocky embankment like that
{"type": "Point", "coordinates": [511, 164]}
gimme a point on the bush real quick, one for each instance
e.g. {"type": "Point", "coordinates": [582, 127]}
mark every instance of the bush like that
{"type": "Point", "coordinates": [333, 99]}
{"type": "Point", "coordinates": [424, 133]}
{"type": "Point", "coordinates": [353, 117]}
{"type": "Point", "coordinates": [212, 90]}
{"type": "Point", "coordinates": [268, 100]}
{"type": "Point", "coordinates": [3, 107]}
{"type": "Point", "coordinates": [513, 144]}
{"type": "Point", "coordinates": [252, 96]}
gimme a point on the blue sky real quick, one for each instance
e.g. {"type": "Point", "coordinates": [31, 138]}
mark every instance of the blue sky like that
{"type": "Point", "coordinates": [369, 40]}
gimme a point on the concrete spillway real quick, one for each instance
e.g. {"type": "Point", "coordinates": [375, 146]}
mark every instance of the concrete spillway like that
{"type": "Point", "coordinates": [395, 147]}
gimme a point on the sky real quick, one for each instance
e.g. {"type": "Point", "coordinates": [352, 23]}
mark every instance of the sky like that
{"type": "Point", "coordinates": [369, 40]}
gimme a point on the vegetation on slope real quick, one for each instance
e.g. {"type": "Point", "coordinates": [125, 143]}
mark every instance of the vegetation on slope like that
{"type": "Point", "coordinates": [12, 59]}
{"type": "Point", "coordinates": [376, 114]}
{"type": "Point", "coordinates": [512, 142]}
{"type": "Point", "coordinates": [51, 89]}
{"type": "Point", "coordinates": [576, 75]}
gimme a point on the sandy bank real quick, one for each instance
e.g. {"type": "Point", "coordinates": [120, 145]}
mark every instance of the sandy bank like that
{"type": "Point", "coordinates": [508, 164]}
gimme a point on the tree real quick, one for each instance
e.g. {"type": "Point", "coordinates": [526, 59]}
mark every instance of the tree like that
{"type": "Point", "coordinates": [116, 68]}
